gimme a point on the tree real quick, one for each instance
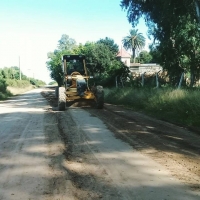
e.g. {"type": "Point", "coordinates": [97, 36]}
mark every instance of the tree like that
{"type": "Point", "coordinates": [98, 56]}
{"type": "Point", "coordinates": [54, 63]}
{"type": "Point", "coordinates": [101, 62]}
{"type": "Point", "coordinates": [5, 73]}
{"type": "Point", "coordinates": [134, 41]}
{"type": "Point", "coordinates": [144, 57]}
{"type": "Point", "coordinates": [117, 69]}
{"type": "Point", "coordinates": [175, 28]}
{"type": "Point", "coordinates": [110, 44]}
{"type": "Point", "coordinates": [155, 53]}
{"type": "Point", "coordinates": [100, 59]}
{"type": "Point", "coordinates": [66, 43]}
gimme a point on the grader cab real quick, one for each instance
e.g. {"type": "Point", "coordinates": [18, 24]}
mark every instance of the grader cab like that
{"type": "Point", "coordinates": [76, 83]}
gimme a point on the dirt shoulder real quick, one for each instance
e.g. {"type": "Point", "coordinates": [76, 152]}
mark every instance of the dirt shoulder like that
{"type": "Point", "coordinates": [16, 91]}
{"type": "Point", "coordinates": [174, 147]}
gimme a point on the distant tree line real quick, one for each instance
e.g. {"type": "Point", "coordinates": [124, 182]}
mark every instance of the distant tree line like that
{"type": "Point", "coordinates": [10, 73]}
{"type": "Point", "coordinates": [11, 76]}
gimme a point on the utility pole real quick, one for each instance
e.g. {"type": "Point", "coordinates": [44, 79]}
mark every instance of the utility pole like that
{"type": "Point", "coordinates": [19, 70]}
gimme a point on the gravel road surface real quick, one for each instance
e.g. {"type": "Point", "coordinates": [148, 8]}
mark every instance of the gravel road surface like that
{"type": "Point", "coordinates": [84, 153]}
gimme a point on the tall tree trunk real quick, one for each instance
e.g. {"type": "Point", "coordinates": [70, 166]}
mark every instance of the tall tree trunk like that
{"type": "Point", "coordinates": [192, 69]}
{"type": "Point", "coordinates": [133, 51]}
{"type": "Point", "coordinates": [191, 78]}
{"type": "Point", "coordinates": [197, 9]}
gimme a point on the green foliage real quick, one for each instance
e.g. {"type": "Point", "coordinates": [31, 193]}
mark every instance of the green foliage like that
{"type": "Point", "coordinates": [10, 73]}
{"type": "Point", "coordinates": [155, 54]}
{"type": "Point", "coordinates": [17, 83]}
{"type": "Point", "coordinates": [133, 98]}
{"type": "Point", "coordinates": [2, 96]}
{"type": "Point", "coordinates": [117, 69]}
{"type": "Point", "coordinates": [177, 106]}
{"type": "Point", "coordinates": [54, 64]}
{"type": "Point", "coordinates": [3, 89]}
{"type": "Point", "coordinates": [98, 57]}
{"type": "Point", "coordinates": [100, 61]}
{"type": "Point", "coordinates": [53, 83]}
{"type": "Point", "coordinates": [3, 86]}
{"type": "Point", "coordinates": [114, 48]}
{"type": "Point", "coordinates": [144, 57]}
{"type": "Point", "coordinates": [175, 29]}
{"type": "Point", "coordinates": [101, 58]}
{"type": "Point", "coordinates": [181, 106]}
{"type": "Point", "coordinates": [66, 45]}
{"type": "Point", "coordinates": [37, 82]}
{"type": "Point", "coordinates": [134, 41]}
{"type": "Point", "coordinates": [9, 76]}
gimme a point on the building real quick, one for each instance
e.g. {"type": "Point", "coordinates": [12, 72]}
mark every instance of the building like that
{"type": "Point", "coordinates": [145, 68]}
{"type": "Point", "coordinates": [124, 56]}
{"type": "Point", "coordinates": [138, 68]}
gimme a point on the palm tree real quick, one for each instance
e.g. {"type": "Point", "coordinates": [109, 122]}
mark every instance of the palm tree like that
{"type": "Point", "coordinates": [134, 41]}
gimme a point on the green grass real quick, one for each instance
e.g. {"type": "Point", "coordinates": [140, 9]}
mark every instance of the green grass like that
{"type": "Point", "coordinates": [17, 83]}
{"type": "Point", "coordinates": [14, 85]}
{"type": "Point", "coordinates": [177, 106]}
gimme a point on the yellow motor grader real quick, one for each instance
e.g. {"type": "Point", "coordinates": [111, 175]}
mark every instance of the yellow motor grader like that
{"type": "Point", "coordinates": [76, 83]}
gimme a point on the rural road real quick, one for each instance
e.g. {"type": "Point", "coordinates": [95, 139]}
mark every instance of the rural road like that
{"type": "Point", "coordinates": [76, 154]}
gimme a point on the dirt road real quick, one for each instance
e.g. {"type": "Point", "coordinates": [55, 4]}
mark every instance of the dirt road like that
{"type": "Point", "coordinates": [84, 153]}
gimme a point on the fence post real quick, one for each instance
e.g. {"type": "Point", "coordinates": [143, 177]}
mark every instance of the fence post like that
{"type": "Point", "coordinates": [116, 81]}
{"type": "Point", "coordinates": [122, 81]}
{"type": "Point", "coordinates": [157, 82]}
{"type": "Point", "coordinates": [143, 79]}
{"type": "Point", "coordinates": [181, 80]}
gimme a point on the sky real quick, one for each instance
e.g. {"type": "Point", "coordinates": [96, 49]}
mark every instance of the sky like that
{"type": "Point", "coordinates": [29, 29]}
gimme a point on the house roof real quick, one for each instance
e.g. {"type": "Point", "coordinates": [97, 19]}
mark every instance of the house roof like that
{"type": "Point", "coordinates": [123, 53]}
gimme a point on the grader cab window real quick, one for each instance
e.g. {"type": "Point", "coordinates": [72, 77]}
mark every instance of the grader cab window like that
{"type": "Point", "coordinates": [75, 66]}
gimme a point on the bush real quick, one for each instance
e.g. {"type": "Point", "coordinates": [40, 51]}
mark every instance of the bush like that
{"type": "Point", "coordinates": [17, 83]}
{"type": "Point", "coordinates": [53, 83]}
{"type": "Point", "coordinates": [37, 82]}
{"type": "Point", "coordinates": [4, 93]}
{"type": "Point", "coordinates": [3, 86]}
{"type": "Point", "coordinates": [2, 96]}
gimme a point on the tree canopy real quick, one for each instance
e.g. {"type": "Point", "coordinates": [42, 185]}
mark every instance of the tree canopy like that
{"type": "Point", "coordinates": [134, 41]}
{"type": "Point", "coordinates": [100, 59]}
{"type": "Point", "coordinates": [110, 44]}
{"type": "Point", "coordinates": [11, 76]}
{"type": "Point", "coordinates": [175, 29]}
{"type": "Point", "coordinates": [54, 63]}
{"type": "Point", "coordinates": [144, 57]}
{"type": "Point", "coordinates": [66, 43]}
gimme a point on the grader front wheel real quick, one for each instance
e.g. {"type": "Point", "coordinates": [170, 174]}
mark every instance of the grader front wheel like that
{"type": "Point", "coordinates": [61, 99]}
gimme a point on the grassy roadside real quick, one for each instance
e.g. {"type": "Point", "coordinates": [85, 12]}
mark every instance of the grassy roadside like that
{"type": "Point", "coordinates": [176, 106]}
{"type": "Point", "coordinates": [9, 88]}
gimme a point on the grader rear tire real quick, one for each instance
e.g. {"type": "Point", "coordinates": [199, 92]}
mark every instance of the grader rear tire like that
{"type": "Point", "coordinates": [99, 95]}
{"type": "Point", "coordinates": [61, 99]}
